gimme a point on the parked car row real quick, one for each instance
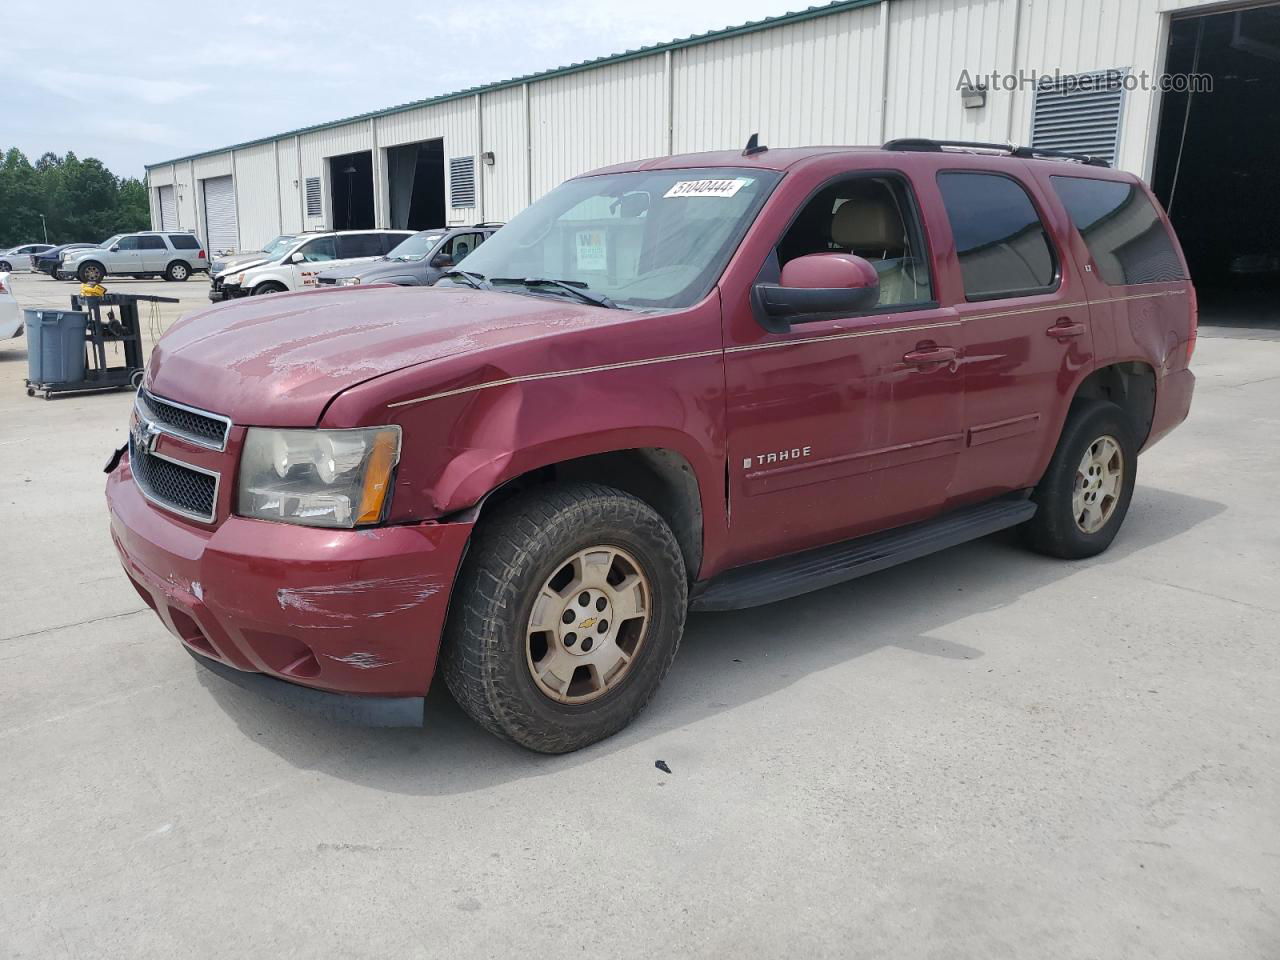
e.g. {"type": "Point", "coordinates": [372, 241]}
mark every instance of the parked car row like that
{"type": "Point", "coordinates": [346, 258]}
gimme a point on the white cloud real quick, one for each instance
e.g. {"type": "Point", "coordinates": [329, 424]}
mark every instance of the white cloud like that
{"type": "Point", "coordinates": [102, 87]}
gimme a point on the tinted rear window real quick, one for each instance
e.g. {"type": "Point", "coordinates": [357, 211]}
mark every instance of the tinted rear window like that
{"type": "Point", "coordinates": [184, 241]}
{"type": "Point", "coordinates": [359, 245]}
{"type": "Point", "coordinates": [1122, 230]}
{"type": "Point", "coordinates": [151, 243]}
{"type": "Point", "coordinates": [1002, 245]}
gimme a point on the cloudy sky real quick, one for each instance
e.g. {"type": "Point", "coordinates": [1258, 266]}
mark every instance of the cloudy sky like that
{"type": "Point", "coordinates": [176, 78]}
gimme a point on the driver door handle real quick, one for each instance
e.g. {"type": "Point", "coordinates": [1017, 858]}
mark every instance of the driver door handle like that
{"type": "Point", "coordinates": [1065, 329]}
{"type": "Point", "coordinates": [924, 356]}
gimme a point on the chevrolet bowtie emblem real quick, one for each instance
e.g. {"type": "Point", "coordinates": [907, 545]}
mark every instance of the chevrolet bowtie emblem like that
{"type": "Point", "coordinates": [587, 624]}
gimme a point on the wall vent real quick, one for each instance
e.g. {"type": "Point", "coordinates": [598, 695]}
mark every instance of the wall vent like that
{"type": "Point", "coordinates": [313, 198]}
{"type": "Point", "coordinates": [462, 182]}
{"type": "Point", "coordinates": [1080, 114]}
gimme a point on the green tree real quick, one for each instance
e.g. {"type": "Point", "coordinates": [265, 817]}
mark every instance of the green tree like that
{"type": "Point", "coordinates": [81, 200]}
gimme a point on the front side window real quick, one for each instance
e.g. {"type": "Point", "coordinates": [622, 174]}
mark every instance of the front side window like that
{"type": "Point", "coordinates": [129, 243]}
{"type": "Point", "coordinates": [319, 250]}
{"type": "Point", "coordinates": [872, 217]}
{"type": "Point", "coordinates": [151, 243]}
{"type": "Point", "coordinates": [647, 239]}
{"type": "Point", "coordinates": [1126, 238]}
{"type": "Point", "coordinates": [1003, 246]}
{"type": "Point", "coordinates": [415, 247]}
{"type": "Point", "coordinates": [461, 245]}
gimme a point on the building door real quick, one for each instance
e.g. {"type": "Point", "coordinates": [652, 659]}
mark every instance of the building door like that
{"type": "Point", "coordinates": [168, 209]}
{"type": "Point", "coordinates": [221, 232]}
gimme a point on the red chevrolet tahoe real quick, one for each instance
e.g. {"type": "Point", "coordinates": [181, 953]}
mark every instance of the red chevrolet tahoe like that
{"type": "Point", "coordinates": [699, 382]}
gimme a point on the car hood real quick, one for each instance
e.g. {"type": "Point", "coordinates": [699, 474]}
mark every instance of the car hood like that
{"type": "Point", "coordinates": [85, 251]}
{"type": "Point", "coordinates": [245, 265]}
{"type": "Point", "coordinates": [240, 259]}
{"type": "Point", "coordinates": [372, 270]}
{"type": "Point", "coordinates": [278, 360]}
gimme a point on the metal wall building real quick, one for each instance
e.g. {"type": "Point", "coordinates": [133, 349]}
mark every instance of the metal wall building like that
{"type": "Point", "coordinates": [853, 72]}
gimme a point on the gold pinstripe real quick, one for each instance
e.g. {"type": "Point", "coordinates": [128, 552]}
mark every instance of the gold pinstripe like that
{"type": "Point", "coordinates": [772, 345]}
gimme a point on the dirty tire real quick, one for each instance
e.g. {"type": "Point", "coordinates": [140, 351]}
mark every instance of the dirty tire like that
{"type": "Point", "coordinates": [1054, 530]}
{"type": "Point", "coordinates": [513, 553]}
{"type": "Point", "coordinates": [90, 272]}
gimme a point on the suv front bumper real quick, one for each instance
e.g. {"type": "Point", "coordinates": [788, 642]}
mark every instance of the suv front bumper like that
{"type": "Point", "coordinates": [353, 616]}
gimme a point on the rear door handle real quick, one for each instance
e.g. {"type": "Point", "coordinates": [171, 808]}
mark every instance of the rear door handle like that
{"type": "Point", "coordinates": [1065, 329]}
{"type": "Point", "coordinates": [924, 356]}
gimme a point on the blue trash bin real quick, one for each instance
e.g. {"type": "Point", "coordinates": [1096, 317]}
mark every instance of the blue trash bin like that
{"type": "Point", "coordinates": [55, 346]}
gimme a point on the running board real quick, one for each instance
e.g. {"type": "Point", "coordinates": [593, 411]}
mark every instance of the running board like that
{"type": "Point", "coordinates": [799, 573]}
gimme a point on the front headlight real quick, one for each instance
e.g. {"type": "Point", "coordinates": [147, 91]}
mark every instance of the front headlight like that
{"type": "Point", "coordinates": [321, 478]}
{"type": "Point", "coordinates": [239, 280]}
{"type": "Point", "coordinates": [348, 281]}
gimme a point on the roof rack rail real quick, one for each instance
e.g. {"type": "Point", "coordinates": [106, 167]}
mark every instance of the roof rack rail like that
{"type": "Point", "coordinates": [490, 223]}
{"type": "Point", "coordinates": [926, 145]}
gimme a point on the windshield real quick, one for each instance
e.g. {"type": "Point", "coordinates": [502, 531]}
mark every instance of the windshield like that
{"type": "Point", "coordinates": [110, 241]}
{"type": "Point", "coordinates": [415, 247]}
{"type": "Point", "coordinates": [278, 245]}
{"type": "Point", "coordinates": [645, 239]}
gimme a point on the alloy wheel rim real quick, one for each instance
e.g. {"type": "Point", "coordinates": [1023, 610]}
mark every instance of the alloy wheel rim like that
{"type": "Point", "coordinates": [587, 625]}
{"type": "Point", "coordinates": [1099, 481]}
{"type": "Point", "coordinates": [180, 272]}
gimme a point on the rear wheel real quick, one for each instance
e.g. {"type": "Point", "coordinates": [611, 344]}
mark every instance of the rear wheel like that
{"type": "Point", "coordinates": [90, 272]}
{"type": "Point", "coordinates": [177, 271]}
{"type": "Point", "coordinates": [567, 614]}
{"type": "Point", "coordinates": [1084, 495]}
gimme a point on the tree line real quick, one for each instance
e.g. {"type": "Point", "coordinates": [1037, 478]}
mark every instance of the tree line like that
{"type": "Point", "coordinates": [82, 201]}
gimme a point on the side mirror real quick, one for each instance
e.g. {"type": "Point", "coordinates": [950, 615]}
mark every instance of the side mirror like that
{"type": "Point", "coordinates": [819, 286]}
{"type": "Point", "coordinates": [116, 248]}
{"type": "Point", "coordinates": [297, 257]}
{"type": "Point", "coordinates": [442, 260]}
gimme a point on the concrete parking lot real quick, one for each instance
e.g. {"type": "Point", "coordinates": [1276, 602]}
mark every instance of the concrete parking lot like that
{"type": "Point", "coordinates": [983, 754]}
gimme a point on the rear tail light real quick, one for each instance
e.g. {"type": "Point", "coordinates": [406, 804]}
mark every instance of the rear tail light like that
{"type": "Point", "coordinates": [200, 255]}
{"type": "Point", "coordinates": [1194, 304]}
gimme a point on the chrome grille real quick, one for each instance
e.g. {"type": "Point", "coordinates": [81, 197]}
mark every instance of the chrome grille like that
{"type": "Point", "coordinates": [185, 490]}
{"type": "Point", "coordinates": [204, 429]}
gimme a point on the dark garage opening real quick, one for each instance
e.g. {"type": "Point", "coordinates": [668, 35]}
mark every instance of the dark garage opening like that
{"type": "Point", "coordinates": [1216, 168]}
{"type": "Point", "coordinates": [415, 175]}
{"type": "Point", "coordinates": [351, 186]}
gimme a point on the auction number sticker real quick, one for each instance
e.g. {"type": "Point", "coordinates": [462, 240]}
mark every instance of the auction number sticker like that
{"type": "Point", "coordinates": [707, 188]}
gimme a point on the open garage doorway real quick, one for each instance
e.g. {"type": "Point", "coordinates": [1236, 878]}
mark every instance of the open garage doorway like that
{"type": "Point", "coordinates": [415, 175]}
{"type": "Point", "coordinates": [1216, 170]}
{"type": "Point", "coordinates": [351, 187]}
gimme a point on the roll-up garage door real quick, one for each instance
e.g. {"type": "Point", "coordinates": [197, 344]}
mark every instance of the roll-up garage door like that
{"type": "Point", "coordinates": [221, 233]}
{"type": "Point", "coordinates": [168, 209]}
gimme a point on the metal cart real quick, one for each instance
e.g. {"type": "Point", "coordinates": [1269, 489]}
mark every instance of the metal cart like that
{"type": "Point", "coordinates": [121, 326]}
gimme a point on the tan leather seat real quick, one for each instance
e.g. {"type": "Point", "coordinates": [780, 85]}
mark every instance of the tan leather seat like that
{"type": "Point", "coordinates": [868, 224]}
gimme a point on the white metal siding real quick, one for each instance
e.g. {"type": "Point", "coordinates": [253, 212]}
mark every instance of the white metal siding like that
{"type": "Point", "coordinates": [221, 233]}
{"type": "Point", "coordinates": [454, 122]}
{"type": "Point", "coordinates": [805, 83]}
{"type": "Point", "coordinates": [168, 208]}
{"type": "Point", "coordinates": [503, 185]}
{"type": "Point", "coordinates": [290, 199]}
{"type": "Point", "coordinates": [258, 210]}
{"type": "Point", "coordinates": [597, 117]}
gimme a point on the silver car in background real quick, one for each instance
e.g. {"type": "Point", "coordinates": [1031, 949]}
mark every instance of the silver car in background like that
{"type": "Point", "coordinates": [174, 256]}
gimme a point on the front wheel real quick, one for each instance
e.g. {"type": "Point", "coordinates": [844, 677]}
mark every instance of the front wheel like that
{"type": "Point", "coordinates": [1084, 494]}
{"type": "Point", "coordinates": [5, 266]}
{"type": "Point", "coordinates": [270, 286]}
{"type": "Point", "coordinates": [90, 273]}
{"type": "Point", "coordinates": [567, 614]}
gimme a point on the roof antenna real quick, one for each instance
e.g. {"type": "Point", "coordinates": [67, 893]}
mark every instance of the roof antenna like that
{"type": "Point", "coordinates": [753, 146]}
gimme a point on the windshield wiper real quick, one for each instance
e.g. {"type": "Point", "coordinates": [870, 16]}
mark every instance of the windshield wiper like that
{"type": "Point", "coordinates": [575, 287]}
{"type": "Point", "coordinates": [474, 280]}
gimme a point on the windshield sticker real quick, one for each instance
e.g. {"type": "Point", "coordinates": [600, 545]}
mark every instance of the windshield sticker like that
{"type": "Point", "coordinates": [707, 188]}
{"type": "Point", "coordinates": [592, 255]}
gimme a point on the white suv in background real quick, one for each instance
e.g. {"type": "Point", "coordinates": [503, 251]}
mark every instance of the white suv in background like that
{"type": "Point", "coordinates": [301, 262]}
{"type": "Point", "coordinates": [19, 258]}
{"type": "Point", "coordinates": [174, 256]}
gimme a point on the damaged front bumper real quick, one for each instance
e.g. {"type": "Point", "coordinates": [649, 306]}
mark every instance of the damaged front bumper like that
{"type": "Point", "coordinates": [345, 623]}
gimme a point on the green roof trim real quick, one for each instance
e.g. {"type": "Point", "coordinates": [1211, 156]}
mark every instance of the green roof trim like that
{"type": "Point", "coordinates": [810, 13]}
